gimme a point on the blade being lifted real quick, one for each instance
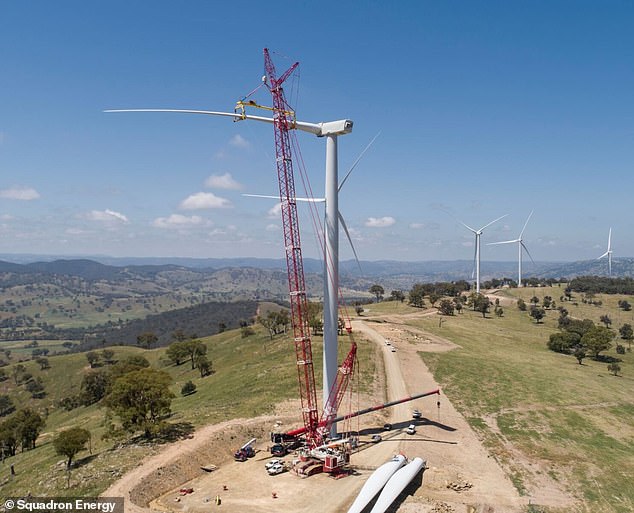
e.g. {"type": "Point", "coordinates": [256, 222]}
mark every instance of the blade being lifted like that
{"type": "Point", "coordinates": [313, 128]}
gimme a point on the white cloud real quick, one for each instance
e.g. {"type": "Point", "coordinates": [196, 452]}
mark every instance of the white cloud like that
{"type": "Point", "coordinates": [202, 200]}
{"type": "Point", "coordinates": [6, 217]}
{"type": "Point", "coordinates": [177, 221]}
{"type": "Point", "coordinates": [239, 142]}
{"type": "Point", "coordinates": [275, 212]}
{"type": "Point", "coordinates": [106, 216]}
{"type": "Point", "coordinates": [272, 227]}
{"type": "Point", "coordinates": [380, 222]}
{"type": "Point", "coordinates": [224, 181]}
{"type": "Point", "coordinates": [20, 193]}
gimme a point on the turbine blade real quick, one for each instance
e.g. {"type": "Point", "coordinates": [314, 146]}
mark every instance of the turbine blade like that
{"type": "Point", "coordinates": [495, 220]}
{"type": "Point", "coordinates": [527, 252]}
{"type": "Point", "coordinates": [357, 161]}
{"type": "Point", "coordinates": [466, 226]}
{"type": "Point", "coordinates": [604, 255]}
{"type": "Point", "coordinates": [305, 200]}
{"type": "Point", "coordinates": [502, 242]}
{"type": "Point", "coordinates": [345, 229]}
{"type": "Point", "coordinates": [610, 239]}
{"type": "Point", "coordinates": [527, 220]}
{"type": "Point", "coordinates": [299, 125]}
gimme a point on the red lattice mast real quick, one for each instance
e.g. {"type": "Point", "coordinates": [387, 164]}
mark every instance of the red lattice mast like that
{"type": "Point", "coordinates": [284, 122]}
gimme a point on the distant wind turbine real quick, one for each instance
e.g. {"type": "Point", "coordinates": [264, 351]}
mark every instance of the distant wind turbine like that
{"type": "Point", "coordinates": [608, 253]}
{"type": "Point", "coordinates": [520, 245]}
{"type": "Point", "coordinates": [476, 256]}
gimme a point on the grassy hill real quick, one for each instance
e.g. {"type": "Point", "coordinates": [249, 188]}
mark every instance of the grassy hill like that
{"type": "Point", "coordinates": [540, 411]}
{"type": "Point", "coordinates": [250, 376]}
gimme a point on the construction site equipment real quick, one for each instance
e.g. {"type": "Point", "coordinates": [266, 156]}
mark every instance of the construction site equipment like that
{"type": "Point", "coordinates": [246, 451]}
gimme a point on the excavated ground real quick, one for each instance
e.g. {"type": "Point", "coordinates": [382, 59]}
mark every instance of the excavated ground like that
{"type": "Point", "coordinates": [461, 476]}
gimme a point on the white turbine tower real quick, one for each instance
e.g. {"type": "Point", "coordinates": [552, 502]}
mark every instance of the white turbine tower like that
{"type": "Point", "coordinates": [520, 245]}
{"type": "Point", "coordinates": [330, 131]}
{"type": "Point", "coordinates": [476, 255]}
{"type": "Point", "coordinates": [608, 253]}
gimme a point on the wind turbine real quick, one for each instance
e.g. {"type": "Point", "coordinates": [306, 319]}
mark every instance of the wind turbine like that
{"type": "Point", "coordinates": [520, 245]}
{"type": "Point", "coordinates": [476, 256]}
{"type": "Point", "coordinates": [608, 253]}
{"type": "Point", "coordinates": [330, 131]}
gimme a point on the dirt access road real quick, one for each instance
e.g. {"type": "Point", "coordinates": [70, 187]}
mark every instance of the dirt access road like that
{"type": "Point", "coordinates": [454, 456]}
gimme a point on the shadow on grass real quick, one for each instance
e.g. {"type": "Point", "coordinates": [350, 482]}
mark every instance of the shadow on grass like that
{"type": "Point", "coordinates": [607, 359]}
{"type": "Point", "coordinates": [172, 432]}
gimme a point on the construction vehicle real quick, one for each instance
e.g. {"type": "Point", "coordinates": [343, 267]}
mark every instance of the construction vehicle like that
{"type": "Point", "coordinates": [245, 452]}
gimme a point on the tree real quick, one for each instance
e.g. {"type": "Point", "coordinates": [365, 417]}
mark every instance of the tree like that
{"type": "Point", "coordinates": [108, 356]}
{"type": "Point", "coordinates": [128, 364]}
{"type": "Point", "coordinates": [378, 292]}
{"type": "Point", "coordinates": [6, 405]}
{"type": "Point", "coordinates": [204, 365]}
{"type": "Point", "coordinates": [19, 371]}
{"type": "Point", "coordinates": [537, 313]}
{"type": "Point", "coordinates": [625, 305]}
{"type": "Point", "coordinates": [93, 358]}
{"type": "Point", "coordinates": [499, 311]}
{"type": "Point", "coordinates": [479, 303]}
{"type": "Point", "coordinates": [29, 424]}
{"type": "Point", "coordinates": [579, 353]}
{"type": "Point", "coordinates": [188, 388]}
{"type": "Point", "coordinates": [36, 388]}
{"type": "Point", "coordinates": [597, 339]}
{"type": "Point", "coordinates": [626, 332]}
{"type": "Point", "coordinates": [397, 295]}
{"type": "Point", "coordinates": [270, 322]}
{"type": "Point", "coordinates": [95, 386]}
{"type": "Point", "coordinates": [195, 348]}
{"type": "Point", "coordinates": [433, 298]}
{"type": "Point", "coordinates": [535, 300]}
{"type": "Point", "coordinates": [446, 307]}
{"type": "Point", "coordinates": [614, 368]}
{"type": "Point", "coordinates": [547, 302]}
{"type": "Point", "coordinates": [246, 331]}
{"type": "Point", "coordinates": [458, 304]}
{"type": "Point", "coordinates": [605, 319]}
{"type": "Point", "coordinates": [9, 435]}
{"type": "Point", "coordinates": [417, 295]}
{"type": "Point", "coordinates": [69, 442]}
{"type": "Point", "coordinates": [177, 352]}
{"type": "Point", "coordinates": [43, 363]}
{"type": "Point", "coordinates": [141, 399]}
{"type": "Point", "coordinates": [563, 342]}
{"type": "Point", "coordinates": [146, 340]}
{"type": "Point", "coordinates": [521, 304]}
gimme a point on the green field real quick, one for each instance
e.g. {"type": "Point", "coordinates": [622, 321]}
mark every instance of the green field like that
{"type": "Point", "coordinates": [576, 421]}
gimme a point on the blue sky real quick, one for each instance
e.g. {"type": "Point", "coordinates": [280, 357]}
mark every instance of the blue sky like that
{"type": "Point", "coordinates": [485, 108]}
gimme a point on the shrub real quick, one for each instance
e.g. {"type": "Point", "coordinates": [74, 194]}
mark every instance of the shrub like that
{"type": "Point", "coordinates": [188, 388]}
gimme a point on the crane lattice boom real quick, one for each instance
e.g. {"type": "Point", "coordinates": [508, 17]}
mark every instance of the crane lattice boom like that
{"type": "Point", "coordinates": [283, 123]}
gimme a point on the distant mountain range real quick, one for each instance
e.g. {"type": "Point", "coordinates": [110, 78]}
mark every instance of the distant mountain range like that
{"type": "Point", "coordinates": [264, 272]}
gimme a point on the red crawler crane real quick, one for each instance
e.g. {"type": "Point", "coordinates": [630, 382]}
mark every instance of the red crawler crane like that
{"type": "Point", "coordinates": [284, 122]}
